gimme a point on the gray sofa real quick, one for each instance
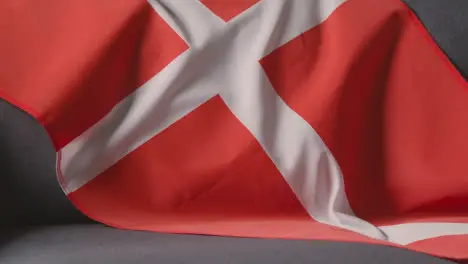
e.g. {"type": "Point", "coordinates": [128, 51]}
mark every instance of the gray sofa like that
{"type": "Point", "coordinates": [39, 225]}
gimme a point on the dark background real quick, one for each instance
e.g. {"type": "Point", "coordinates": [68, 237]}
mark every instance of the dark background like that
{"type": "Point", "coordinates": [30, 196]}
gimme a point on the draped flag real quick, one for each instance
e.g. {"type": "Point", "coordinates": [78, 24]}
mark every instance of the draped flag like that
{"type": "Point", "coordinates": [299, 119]}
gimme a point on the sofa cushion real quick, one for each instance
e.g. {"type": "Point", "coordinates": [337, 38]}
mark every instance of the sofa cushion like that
{"type": "Point", "coordinates": [95, 243]}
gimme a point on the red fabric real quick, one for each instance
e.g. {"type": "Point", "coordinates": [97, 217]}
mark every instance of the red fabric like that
{"type": "Point", "coordinates": [453, 246]}
{"type": "Point", "coordinates": [169, 185]}
{"type": "Point", "coordinates": [70, 62]}
{"type": "Point", "coordinates": [228, 9]}
{"type": "Point", "coordinates": [386, 104]}
{"type": "Point", "coordinates": [369, 80]}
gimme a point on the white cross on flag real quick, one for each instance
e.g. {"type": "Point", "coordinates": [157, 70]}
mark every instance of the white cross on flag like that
{"type": "Point", "coordinates": [298, 119]}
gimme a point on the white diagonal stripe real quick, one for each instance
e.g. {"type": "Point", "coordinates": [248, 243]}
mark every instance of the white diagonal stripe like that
{"type": "Point", "coordinates": [192, 21]}
{"type": "Point", "coordinates": [223, 59]}
{"type": "Point", "coordinates": [280, 21]}
{"type": "Point", "coordinates": [156, 105]}
{"type": "Point", "coordinates": [296, 149]}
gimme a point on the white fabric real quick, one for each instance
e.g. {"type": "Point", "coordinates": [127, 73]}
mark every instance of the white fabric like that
{"type": "Point", "coordinates": [229, 54]}
{"type": "Point", "coordinates": [405, 234]}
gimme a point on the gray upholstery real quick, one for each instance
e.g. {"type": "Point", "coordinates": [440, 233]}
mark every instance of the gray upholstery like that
{"type": "Point", "coordinates": [82, 244]}
{"type": "Point", "coordinates": [29, 191]}
{"type": "Point", "coordinates": [39, 225]}
{"type": "Point", "coordinates": [447, 22]}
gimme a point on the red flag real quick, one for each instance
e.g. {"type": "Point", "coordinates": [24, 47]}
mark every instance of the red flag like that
{"type": "Point", "coordinates": [322, 119]}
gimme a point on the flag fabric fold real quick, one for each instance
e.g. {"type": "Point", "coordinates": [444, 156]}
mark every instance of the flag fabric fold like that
{"type": "Point", "coordinates": [299, 119]}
